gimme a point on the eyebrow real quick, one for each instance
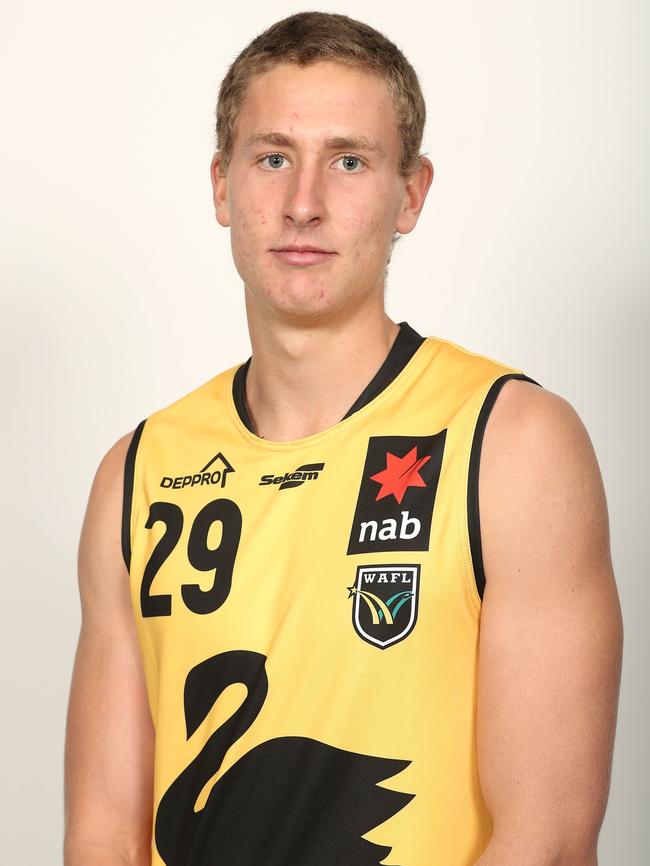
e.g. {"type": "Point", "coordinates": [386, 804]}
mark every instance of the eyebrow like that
{"type": "Point", "coordinates": [339, 142]}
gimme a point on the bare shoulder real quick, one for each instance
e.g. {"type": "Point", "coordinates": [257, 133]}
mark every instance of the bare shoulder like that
{"type": "Point", "coordinates": [523, 411]}
{"type": "Point", "coordinates": [542, 498]}
{"type": "Point", "coordinates": [101, 564]}
{"type": "Point", "coordinates": [110, 471]}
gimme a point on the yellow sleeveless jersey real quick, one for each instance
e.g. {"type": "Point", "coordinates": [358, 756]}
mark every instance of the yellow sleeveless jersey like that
{"type": "Point", "coordinates": [308, 616]}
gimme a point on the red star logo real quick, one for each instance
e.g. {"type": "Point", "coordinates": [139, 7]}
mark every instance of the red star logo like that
{"type": "Point", "coordinates": [399, 474]}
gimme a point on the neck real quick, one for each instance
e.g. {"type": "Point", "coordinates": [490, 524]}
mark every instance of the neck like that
{"type": "Point", "coordinates": [303, 377]}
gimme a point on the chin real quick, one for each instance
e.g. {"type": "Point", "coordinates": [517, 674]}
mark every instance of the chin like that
{"type": "Point", "coordinates": [305, 296]}
{"type": "Point", "coordinates": [301, 298]}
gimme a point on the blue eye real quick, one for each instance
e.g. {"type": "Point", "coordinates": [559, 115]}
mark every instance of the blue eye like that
{"type": "Point", "coordinates": [350, 158]}
{"type": "Point", "coordinates": [275, 157]}
{"type": "Point", "coordinates": [353, 164]}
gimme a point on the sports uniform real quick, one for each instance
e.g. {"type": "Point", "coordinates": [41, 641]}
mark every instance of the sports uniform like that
{"type": "Point", "coordinates": [308, 617]}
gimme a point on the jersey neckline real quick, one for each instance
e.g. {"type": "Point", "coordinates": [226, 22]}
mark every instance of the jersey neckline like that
{"type": "Point", "coordinates": [400, 358]}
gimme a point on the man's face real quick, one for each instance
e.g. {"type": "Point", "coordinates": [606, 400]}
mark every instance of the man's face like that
{"type": "Point", "coordinates": [314, 164]}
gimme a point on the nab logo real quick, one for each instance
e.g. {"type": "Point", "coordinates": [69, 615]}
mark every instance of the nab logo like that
{"type": "Point", "coordinates": [207, 475]}
{"type": "Point", "coordinates": [385, 606]}
{"type": "Point", "coordinates": [308, 472]}
{"type": "Point", "coordinates": [397, 493]}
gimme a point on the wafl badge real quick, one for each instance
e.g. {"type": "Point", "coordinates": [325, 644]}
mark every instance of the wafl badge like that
{"type": "Point", "coordinates": [385, 602]}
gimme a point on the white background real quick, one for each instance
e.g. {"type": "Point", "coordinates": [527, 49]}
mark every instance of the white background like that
{"type": "Point", "coordinates": [119, 293]}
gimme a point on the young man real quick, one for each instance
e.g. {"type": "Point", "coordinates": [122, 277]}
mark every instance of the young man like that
{"type": "Point", "coordinates": [309, 528]}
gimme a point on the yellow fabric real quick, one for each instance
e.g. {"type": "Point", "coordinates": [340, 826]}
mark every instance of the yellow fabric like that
{"type": "Point", "coordinates": [289, 600]}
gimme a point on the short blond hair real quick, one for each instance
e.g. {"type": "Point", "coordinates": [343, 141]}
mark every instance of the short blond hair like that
{"type": "Point", "coordinates": [307, 37]}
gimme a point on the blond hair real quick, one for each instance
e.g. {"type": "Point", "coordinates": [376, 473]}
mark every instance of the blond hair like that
{"type": "Point", "coordinates": [307, 37]}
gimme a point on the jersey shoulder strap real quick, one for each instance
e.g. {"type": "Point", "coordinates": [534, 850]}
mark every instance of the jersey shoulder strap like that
{"type": "Point", "coordinates": [479, 379]}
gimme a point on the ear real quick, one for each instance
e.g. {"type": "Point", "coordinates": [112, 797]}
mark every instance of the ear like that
{"type": "Point", "coordinates": [219, 190]}
{"type": "Point", "coordinates": [415, 192]}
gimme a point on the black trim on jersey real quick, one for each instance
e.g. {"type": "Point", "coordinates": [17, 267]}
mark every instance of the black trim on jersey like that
{"type": "Point", "coordinates": [238, 389]}
{"type": "Point", "coordinates": [129, 471]}
{"type": "Point", "coordinates": [405, 345]}
{"type": "Point", "coordinates": [473, 517]}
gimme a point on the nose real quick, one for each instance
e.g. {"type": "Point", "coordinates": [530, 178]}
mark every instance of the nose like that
{"type": "Point", "coordinates": [304, 204]}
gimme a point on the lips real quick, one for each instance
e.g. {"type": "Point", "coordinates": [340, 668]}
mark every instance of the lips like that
{"type": "Point", "coordinates": [302, 255]}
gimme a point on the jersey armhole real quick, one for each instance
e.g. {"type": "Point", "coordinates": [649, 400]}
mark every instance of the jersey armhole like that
{"type": "Point", "coordinates": [472, 501]}
{"type": "Point", "coordinates": [127, 500]}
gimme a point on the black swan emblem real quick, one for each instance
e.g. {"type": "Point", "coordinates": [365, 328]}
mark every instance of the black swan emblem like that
{"type": "Point", "coordinates": [289, 801]}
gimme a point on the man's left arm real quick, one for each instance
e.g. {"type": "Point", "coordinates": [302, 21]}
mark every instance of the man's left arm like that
{"type": "Point", "coordinates": [551, 634]}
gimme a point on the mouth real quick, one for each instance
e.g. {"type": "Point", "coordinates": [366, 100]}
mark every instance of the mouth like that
{"type": "Point", "coordinates": [296, 255]}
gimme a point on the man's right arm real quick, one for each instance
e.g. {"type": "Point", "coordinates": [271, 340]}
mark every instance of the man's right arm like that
{"type": "Point", "coordinates": [109, 743]}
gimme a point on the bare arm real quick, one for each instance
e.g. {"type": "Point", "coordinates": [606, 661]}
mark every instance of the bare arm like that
{"type": "Point", "coordinates": [109, 734]}
{"type": "Point", "coordinates": [551, 634]}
